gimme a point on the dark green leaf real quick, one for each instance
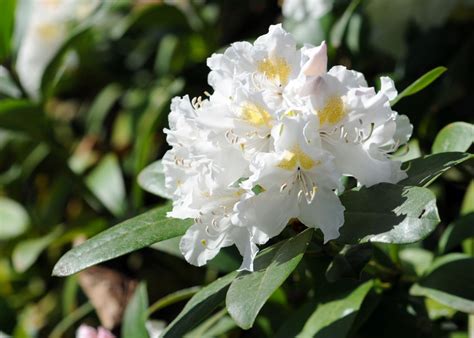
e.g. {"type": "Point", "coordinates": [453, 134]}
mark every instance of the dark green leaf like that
{"type": "Point", "coordinates": [7, 18]}
{"type": "Point", "coordinates": [455, 233]}
{"type": "Point", "coordinates": [420, 84]}
{"type": "Point", "coordinates": [449, 281]}
{"type": "Point", "coordinates": [457, 136]}
{"type": "Point", "coordinates": [152, 179]}
{"type": "Point", "coordinates": [335, 315]}
{"type": "Point", "coordinates": [133, 234]}
{"type": "Point", "coordinates": [423, 171]}
{"type": "Point", "coordinates": [349, 262]}
{"type": "Point", "coordinates": [250, 290]}
{"type": "Point", "coordinates": [388, 213]}
{"type": "Point", "coordinates": [199, 307]}
{"type": "Point", "coordinates": [135, 315]}
{"type": "Point", "coordinates": [14, 113]}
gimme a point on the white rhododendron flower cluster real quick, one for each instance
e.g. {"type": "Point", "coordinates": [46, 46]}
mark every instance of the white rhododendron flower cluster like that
{"type": "Point", "coordinates": [272, 143]}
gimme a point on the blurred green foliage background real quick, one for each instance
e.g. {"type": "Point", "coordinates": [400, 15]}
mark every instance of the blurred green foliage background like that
{"type": "Point", "coordinates": [71, 153]}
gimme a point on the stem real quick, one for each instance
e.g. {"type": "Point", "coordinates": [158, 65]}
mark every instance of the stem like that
{"type": "Point", "coordinates": [173, 298]}
{"type": "Point", "coordinates": [67, 322]}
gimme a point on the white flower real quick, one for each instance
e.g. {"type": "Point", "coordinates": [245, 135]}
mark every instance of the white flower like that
{"type": "Point", "coordinates": [271, 144]}
{"type": "Point", "coordinates": [48, 25]}
{"type": "Point", "coordinates": [298, 180]}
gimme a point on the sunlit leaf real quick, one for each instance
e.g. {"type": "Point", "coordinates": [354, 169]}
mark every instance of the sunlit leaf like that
{"type": "Point", "coordinates": [420, 83]}
{"type": "Point", "coordinates": [152, 179]}
{"type": "Point", "coordinates": [388, 213]}
{"type": "Point", "coordinates": [457, 136]}
{"type": "Point", "coordinates": [27, 251]}
{"type": "Point", "coordinates": [14, 219]}
{"type": "Point", "coordinates": [130, 235]}
{"type": "Point", "coordinates": [449, 281]}
{"type": "Point", "coordinates": [424, 170]}
{"type": "Point", "coordinates": [106, 182]}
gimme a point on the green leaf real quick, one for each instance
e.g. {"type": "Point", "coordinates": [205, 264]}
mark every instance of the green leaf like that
{"type": "Point", "coordinates": [14, 219]}
{"type": "Point", "coordinates": [135, 315]}
{"type": "Point", "coordinates": [338, 30]}
{"type": "Point", "coordinates": [102, 105]}
{"type": "Point", "coordinates": [349, 262]}
{"type": "Point", "coordinates": [456, 136]}
{"type": "Point", "coordinates": [7, 19]}
{"type": "Point", "coordinates": [133, 234]}
{"type": "Point", "coordinates": [449, 281]}
{"type": "Point", "coordinates": [416, 260]}
{"type": "Point", "coordinates": [28, 251]}
{"type": "Point", "coordinates": [420, 84]}
{"type": "Point", "coordinates": [335, 314]}
{"type": "Point", "coordinates": [457, 232]}
{"type": "Point", "coordinates": [423, 171]}
{"type": "Point", "coordinates": [152, 179]}
{"type": "Point", "coordinates": [14, 113]}
{"type": "Point", "coordinates": [388, 213]}
{"type": "Point", "coordinates": [250, 290]}
{"type": "Point", "coordinates": [199, 307]}
{"type": "Point", "coordinates": [106, 182]}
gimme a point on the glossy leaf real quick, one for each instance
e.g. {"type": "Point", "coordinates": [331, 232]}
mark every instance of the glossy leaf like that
{"type": "Point", "coordinates": [335, 314]}
{"type": "Point", "coordinates": [423, 171]}
{"type": "Point", "coordinates": [199, 307]}
{"type": "Point", "coordinates": [152, 179]}
{"type": "Point", "coordinates": [250, 290]}
{"type": "Point", "coordinates": [14, 219]}
{"type": "Point", "coordinates": [107, 184]}
{"type": "Point", "coordinates": [421, 83]}
{"type": "Point", "coordinates": [457, 136]}
{"type": "Point", "coordinates": [449, 281]}
{"type": "Point", "coordinates": [388, 213]}
{"type": "Point", "coordinates": [135, 315]}
{"type": "Point", "coordinates": [130, 235]}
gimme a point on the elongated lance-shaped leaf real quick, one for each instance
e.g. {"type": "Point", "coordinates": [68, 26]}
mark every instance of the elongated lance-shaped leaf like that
{"type": "Point", "coordinates": [335, 316]}
{"type": "Point", "coordinates": [135, 315]}
{"type": "Point", "coordinates": [423, 82]}
{"type": "Point", "coordinates": [199, 307]}
{"type": "Point", "coordinates": [250, 290]}
{"type": "Point", "coordinates": [388, 213]}
{"type": "Point", "coordinates": [130, 235]}
{"type": "Point", "coordinates": [449, 281]}
{"type": "Point", "coordinates": [424, 170]}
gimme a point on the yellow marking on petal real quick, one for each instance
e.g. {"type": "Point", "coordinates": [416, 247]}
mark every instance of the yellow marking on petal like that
{"type": "Point", "coordinates": [48, 31]}
{"type": "Point", "coordinates": [333, 112]}
{"type": "Point", "coordinates": [204, 242]}
{"type": "Point", "coordinates": [239, 193]}
{"type": "Point", "coordinates": [291, 113]}
{"type": "Point", "coordinates": [256, 115]}
{"type": "Point", "coordinates": [296, 157]}
{"type": "Point", "coordinates": [275, 69]}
